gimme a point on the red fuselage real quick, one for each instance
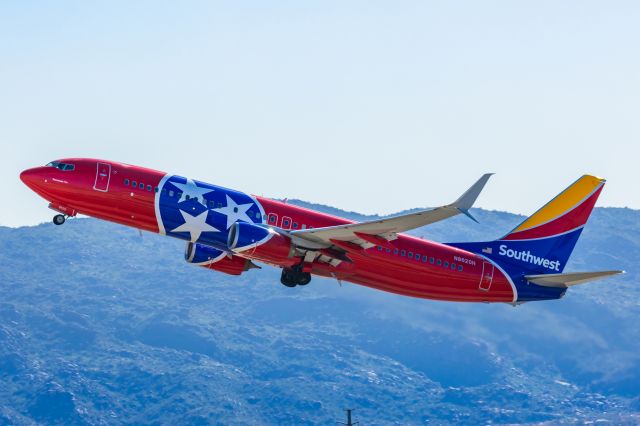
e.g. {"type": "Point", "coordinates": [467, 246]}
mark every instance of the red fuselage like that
{"type": "Point", "coordinates": [407, 265]}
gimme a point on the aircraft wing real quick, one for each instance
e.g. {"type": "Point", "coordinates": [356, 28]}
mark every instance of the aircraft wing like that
{"type": "Point", "coordinates": [380, 232]}
{"type": "Point", "coordinates": [569, 278]}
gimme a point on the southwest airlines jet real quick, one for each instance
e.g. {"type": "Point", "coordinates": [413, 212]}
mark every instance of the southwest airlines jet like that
{"type": "Point", "coordinates": [228, 230]}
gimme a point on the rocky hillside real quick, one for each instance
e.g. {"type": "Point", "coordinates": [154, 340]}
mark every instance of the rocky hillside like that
{"type": "Point", "coordinates": [99, 325]}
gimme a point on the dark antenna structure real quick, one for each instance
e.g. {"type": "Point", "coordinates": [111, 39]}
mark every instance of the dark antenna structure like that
{"type": "Point", "coordinates": [349, 421]}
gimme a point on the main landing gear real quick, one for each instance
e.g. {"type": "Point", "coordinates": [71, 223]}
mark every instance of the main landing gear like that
{"type": "Point", "coordinates": [59, 219]}
{"type": "Point", "coordinates": [294, 276]}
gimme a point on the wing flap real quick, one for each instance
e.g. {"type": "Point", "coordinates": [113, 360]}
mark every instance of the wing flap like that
{"type": "Point", "coordinates": [568, 279]}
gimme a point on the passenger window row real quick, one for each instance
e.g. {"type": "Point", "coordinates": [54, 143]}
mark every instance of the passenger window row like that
{"type": "Point", "coordinates": [287, 222]}
{"type": "Point", "coordinates": [140, 185]}
{"type": "Point", "coordinates": [171, 193]}
{"type": "Point", "coordinates": [423, 258]}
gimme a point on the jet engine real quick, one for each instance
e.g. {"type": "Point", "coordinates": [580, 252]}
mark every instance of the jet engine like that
{"type": "Point", "coordinates": [219, 260]}
{"type": "Point", "coordinates": [262, 243]}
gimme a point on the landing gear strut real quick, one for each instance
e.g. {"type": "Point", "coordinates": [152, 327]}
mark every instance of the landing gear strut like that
{"type": "Point", "coordinates": [59, 219]}
{"type": "Point", "coordinates": [294, 276]}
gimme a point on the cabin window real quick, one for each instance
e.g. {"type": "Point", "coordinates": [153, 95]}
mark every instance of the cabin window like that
{"type": "Point", "coordinates": [126, 182]}
{"type": "Point", "coordinates": [273, 218]}
{"type": "Point", "coordinates": [258, 217]}
{"type": "Point", "coordinates": [157, 189]}
{"type": "Point", "coordinates": [439, 262]}
{"type": "Point", "coordinates": [141, 186]}
{"type": "Point", "coordinates": [186, 197]}
{"type": "Point", "coordinates": [403, 253]}
{"type": "Point", "coordinates": [410, 255]}
{"type": "Point", "coordinates": [460, 268]}
{"type": "Point", "coordinates": [295, 225]}
{"type": "Point", "coordinates": [212, 204]}
{"type": "Point", "coordinates": [446, 264]}
{"type": "Point", "coordinates": [134, 184]}
{"type": "Point", "coordinates": [171, 193]}
{"type": "Point", "coordinates": [395, 251]}
{"type": "Point", "coordinates": [285, 222]}
{"type": "Point", "coordinates": [379, 248]}
{"type": "Point", "coordinates": [453, 266]}
{"type": "Point", "coordinates": [149, 188]}
{"type": "Point", "coordinates": [388, 250]}
{"type": "Point", "coordinates": [304, 226]}
{"type": "Point", "coordinates": [431, 260]}
{"type": "Point", "coordinates": [424, 259]}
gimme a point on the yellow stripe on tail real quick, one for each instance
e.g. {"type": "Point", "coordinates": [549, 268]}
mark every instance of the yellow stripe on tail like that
{"type": "Point", "coordinates": [564, 202]}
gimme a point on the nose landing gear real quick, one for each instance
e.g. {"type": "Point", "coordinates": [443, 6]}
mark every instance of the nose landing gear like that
{"type": "Point", "coordinates": [292, 277]}
{"type": "Point", "coordinates": [63, 212]}
{"type": "Point", "coordinates": [59, 219]}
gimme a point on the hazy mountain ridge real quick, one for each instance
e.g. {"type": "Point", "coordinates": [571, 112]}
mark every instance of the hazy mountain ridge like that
{"type": "Point", "coordinates": [99, 325]}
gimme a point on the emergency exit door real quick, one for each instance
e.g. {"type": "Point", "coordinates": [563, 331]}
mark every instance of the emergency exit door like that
{"type": "Point", "coordinates": [103, 175]}
{"type": "Point", "coordinates": [487, 276]}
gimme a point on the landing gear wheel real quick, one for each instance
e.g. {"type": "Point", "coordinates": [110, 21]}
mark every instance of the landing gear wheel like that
{"type": "Point", "coordinates": [59, 219]}
{"type": "Point", "coordinates": [305, 278]}
{"type": "Point", "coordinates": [287, 278]}
{"type": "Point", "coordinates": [292, 277]}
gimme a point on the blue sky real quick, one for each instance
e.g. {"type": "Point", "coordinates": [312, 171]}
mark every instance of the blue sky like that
{"type": "Point", "coordinates": [368, 106]}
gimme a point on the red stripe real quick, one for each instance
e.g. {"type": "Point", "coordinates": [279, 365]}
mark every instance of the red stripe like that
{"type": "Point", "coordinates": [570, 220]}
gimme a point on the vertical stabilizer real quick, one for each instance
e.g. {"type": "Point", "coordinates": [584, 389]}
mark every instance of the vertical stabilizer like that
{"type": "Point", "coordinates": [543, 243]}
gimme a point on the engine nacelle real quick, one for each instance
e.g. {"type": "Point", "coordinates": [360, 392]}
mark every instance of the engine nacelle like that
{"type": "Point", "coordinates": [212, 258]}
{"type": "Point", "coordinates": [261, 243]}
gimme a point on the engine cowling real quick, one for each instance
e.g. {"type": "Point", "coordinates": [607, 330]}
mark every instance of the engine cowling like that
{"type": "Point", "coordinates": [261, 243]}
{"type": "Point", "coordinates": [213, 258]}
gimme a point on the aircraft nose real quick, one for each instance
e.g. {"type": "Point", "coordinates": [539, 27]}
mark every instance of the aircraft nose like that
{"type": "Point", "coordinates": [31, 176]}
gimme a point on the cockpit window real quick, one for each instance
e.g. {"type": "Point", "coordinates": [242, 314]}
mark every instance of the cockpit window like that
{"type": "Point", "coordinates": [66, 167]}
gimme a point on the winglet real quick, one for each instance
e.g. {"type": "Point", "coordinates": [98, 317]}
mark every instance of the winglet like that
{"type": "Point", "coordinates": [466, 200]}
{"type": "Point", "coordinates": [466, 213]}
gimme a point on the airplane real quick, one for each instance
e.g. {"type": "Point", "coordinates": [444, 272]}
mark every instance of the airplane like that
{"type": "Point", "coordinates": [227, 231]}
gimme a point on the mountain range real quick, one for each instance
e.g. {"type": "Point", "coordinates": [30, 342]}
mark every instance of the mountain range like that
{"type": "Point", "coordinates": [100, 324]}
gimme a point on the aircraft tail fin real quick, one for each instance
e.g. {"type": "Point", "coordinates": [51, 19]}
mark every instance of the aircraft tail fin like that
{"type": "Point", "coordinates": [543, 242]}
{"type": "Point", "coordinates": [568, 211]}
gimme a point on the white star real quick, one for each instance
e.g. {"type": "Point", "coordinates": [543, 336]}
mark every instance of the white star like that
{"type": "Point", "coordinates": [192, 190]}
{"type": "Point", "coordinates": [234, 212]}
{"type": "Point", "coordinates": [195, 225]}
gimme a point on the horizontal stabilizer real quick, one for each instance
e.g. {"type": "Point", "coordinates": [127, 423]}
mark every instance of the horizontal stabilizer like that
{"type": "Point", "coordinates": [568, 279]}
